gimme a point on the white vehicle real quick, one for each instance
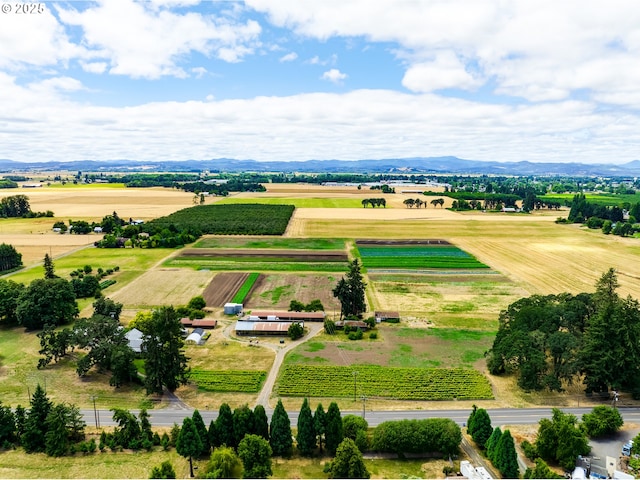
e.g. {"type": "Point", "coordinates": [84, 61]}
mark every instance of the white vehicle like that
{"type": "Point", "coordinates": [626, 448]}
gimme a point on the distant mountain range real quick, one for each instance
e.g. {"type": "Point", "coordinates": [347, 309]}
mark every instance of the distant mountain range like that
{"type": "Point", "coordinates": [425, 165]}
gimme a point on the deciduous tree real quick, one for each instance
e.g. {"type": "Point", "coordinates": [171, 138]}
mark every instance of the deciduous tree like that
{"type": "Point", "coordinates": [255, 453]}
{"type": "Point", "coordinates": [224, 463]}
{"type": "Point", "coordinates": [348, 462]}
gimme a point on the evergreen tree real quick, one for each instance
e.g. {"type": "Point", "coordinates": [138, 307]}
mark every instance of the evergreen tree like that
{"type": "Point", "coordinates": [202, 433]}
{"type": "Point", "coordinates": [35, 428]}
{"type": "Point", "coordinates": [482, 427]}
{"type": "Point", "coordinates": [306, 436]}
{"type": "Point", "coordinates": [165, 470]}
{"type": "Point", "coordinates": [127, 433]}
{"type": "Point", "coordinates": [255, 453]}
{"type": "Point", "coordinates": [261, 421]}
{"type": "Point", "coordinates": [49, 271]}
{"type": "Point", "coordinates": [189, 444]}
{"type": "Point", "coordinates": [21, 419]}
{"type": "Point", "coordinates": [146, 433]}
{"type": "Point", "coordinates": [224, 425]}
{"type": "Point", "coordinates": [57, 436]}
{"type": "Point", "coordinates": [506, 456]}
{"type": "Point", "coordinates": [224, 463]}
{"type": "Point", "coordinates": [492, 444]}
{"type": "Point", "coordinates": [164, 359]}
{"type": "Point", "coordinates": [280, 432]}
{"type": "Point", "coordinates": [319, 424]}
{"type": "Point", "coordinates": [348, 462]}
{"type": "Point", "coordinates": [243, 423]}
{"type": "Point", "coordinates": [351, 291]}
{"type": "Point", "coordinates": [7, 425]}
{"type": "Point", "coordinates": [333, 432]}
{"type": "Point", "coordinates": [470, 420]}
{"type": "Point", "coordinates": [212, 435]}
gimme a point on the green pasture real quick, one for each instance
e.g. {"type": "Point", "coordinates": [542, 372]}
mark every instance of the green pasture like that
{"type": "Point", "coordinates": [282, 243]}
{"type": "Point", "coordinates": [609, 199]}
{"type": "Point", "coordinates": [228, 264]}
{"type": "Point", "coordinates": [297, 202]}
{"type": "Point", "coordinates": [245, 288]}
{"type": "Point", "coordinates": [132, 263]}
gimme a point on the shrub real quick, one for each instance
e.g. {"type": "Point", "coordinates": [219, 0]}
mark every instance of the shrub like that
{"type": "Point", "coordinates": [355, 335]}
{"type": "Point", "coordinates": [373, 335]}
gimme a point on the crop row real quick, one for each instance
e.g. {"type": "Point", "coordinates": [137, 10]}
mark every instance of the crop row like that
{"type": "Point", "coordinates": [388, 382]}
{"type": "Point", "coordinates": [419, 251]}
{"type": "Point", "coordinates": [246, 381]}
{"type": "Point", "coordinates": [241, 219]}
{"type": "Point", "coordinates": [422, 262]}
{"type": "Point", "coordinates": [244, 289]}
{"type": "Point", "coordinates": [261, 266]}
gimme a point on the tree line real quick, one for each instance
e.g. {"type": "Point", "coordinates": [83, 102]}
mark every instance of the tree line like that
{"type": "Point", "coordinates": [553, 340]}
{"type": "Point", "coordinates": [609, 218]}
{"type": "Point", "coordinates": [19, 206]}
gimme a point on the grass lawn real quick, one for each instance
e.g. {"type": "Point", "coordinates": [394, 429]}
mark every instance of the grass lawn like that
{"type": "Point", "coordinates": [129, 260]}
{"type": "Point", "coordinates": [19, 376]}
{"type": "Point", "coordinates": [298, 202]}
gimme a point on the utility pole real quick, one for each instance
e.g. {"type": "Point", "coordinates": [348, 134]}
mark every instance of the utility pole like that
{"type": "Point", "coordinates": [95, 411]}
{"type": "Point", "coordinates": [364, 401]}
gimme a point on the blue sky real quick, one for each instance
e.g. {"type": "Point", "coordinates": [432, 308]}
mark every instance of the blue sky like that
{"type": "Point", "coordinates": [504, 80]}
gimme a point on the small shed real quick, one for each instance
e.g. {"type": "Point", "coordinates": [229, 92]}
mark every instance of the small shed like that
{"type": "Point", "coordinates": [195, 336]}
{"type": "Point", "coordinates": [232, 308]}
{"type": "Point", "coordinates": [386, 316]}
{"type": "Point", "coordinates": [97, 229]}
{"type": "Point", "coordinates": [134, 337]}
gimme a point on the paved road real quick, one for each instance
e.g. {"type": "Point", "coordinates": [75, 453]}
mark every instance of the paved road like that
{"type": "Point", "coordinates": [499, 417]}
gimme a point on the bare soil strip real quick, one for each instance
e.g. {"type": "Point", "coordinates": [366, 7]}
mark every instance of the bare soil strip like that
{"type": "Point", "coordinates": [223, 287]}
{"type": "Point", "coordinates": [293, 255]}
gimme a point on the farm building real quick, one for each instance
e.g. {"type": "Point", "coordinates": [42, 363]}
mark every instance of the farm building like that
{"type": "Point", "coordinates": [199, 322]}
{"type": "Point", "coordinates": [195, 336]}
{"type": "Point", "coordinates": [232, 308]}
{"type": "Point", "coordinates": [244, 327]}
{"type": "Point", "coordinates": [285, 316]}
{"type": "Point", "coordinates": [352, 324]}
{"type": "Point", "coordinates": [205, 323]}
{"type": "Point", "coordinates": [384, 316]}
{"type": "Point", "coordinates": [134, 337]}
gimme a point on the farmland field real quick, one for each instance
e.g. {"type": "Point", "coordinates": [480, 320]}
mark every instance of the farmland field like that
{"type": "Point", "coordinates": [275, 291]}
{"type": "Point", "coordinates": [247, 381]}
{"type": "Point", "coordinates": [245, 289]}
{"type": "Point", "coordinates": [170, 287]}
{"type": "Point", "coordinates": [271, 242]}
{"type": "Point", "coordinates": [223, 287]}
{"type": "Point", "coordinates": [388, 382]}
{"type": "Point", "coordinates": [317, 202]}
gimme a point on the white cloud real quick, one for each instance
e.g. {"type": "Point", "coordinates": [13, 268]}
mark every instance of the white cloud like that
{"type": "Point", "coordinates": [94, 67]}
{"type": "Point", "coordinates": [334, 75]}
{"type": "Point", "coordinates": [540, 51]}
{"type": "Point", "coordinates": [289, 57]}
{"type": "Point", "coordinates": [150, 42]}
{"type": "Point", "coordinates": [445, 71]}
{"type": "Point", "coordinates": [36, 39]}
{"type": "Point", "coordinates": [199, 72]}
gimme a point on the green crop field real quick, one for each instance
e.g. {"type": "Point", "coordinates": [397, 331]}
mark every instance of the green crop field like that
{"type": "Point", "coordinates": [243, 291]}
{"type": "Point", "coordinates": [246, 381]}
{"type": "Point", "coordinates": [240, 219]}
{"type": "Point", "coordinates": [227, 264]}
{"type": "Point", "coordinates": [385, 382]}
{"type": "Point", "coordinates": [272, 242]}
{"type": "Point", "coordinates": [417, 257]}
{"type": "Point", "coordinates": [609, 199]}
{"type": "Point", "coordinates": [297, 202]}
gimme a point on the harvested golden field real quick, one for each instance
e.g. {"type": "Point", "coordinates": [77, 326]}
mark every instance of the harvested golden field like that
{"type": "Point", "coordinates": [535, 253]}
{"type": "Point", "coordinates": [163, 286]}
{"type": "Point", "coordinates": [94, 203]}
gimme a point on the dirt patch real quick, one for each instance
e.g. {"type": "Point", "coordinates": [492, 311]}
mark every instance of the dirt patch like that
{"type": "Point", "coordinates": [290, 255]}
{"type": "Point", "coordinates": [223, 287]}
{"type": "Point", "coordinates": [275, 291]}
{"type": "Point", "coordinates": [402, 242]}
